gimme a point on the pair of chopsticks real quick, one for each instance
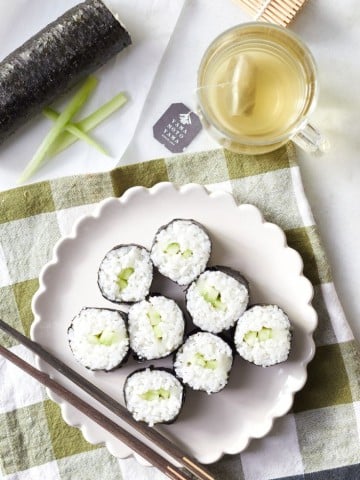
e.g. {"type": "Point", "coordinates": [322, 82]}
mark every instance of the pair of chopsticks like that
{"type": "Point", "coordinates": [120, 433]}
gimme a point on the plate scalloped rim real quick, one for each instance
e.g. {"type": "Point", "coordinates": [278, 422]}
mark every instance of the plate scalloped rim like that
{"type": "Point", "coordinates": [287, 401]}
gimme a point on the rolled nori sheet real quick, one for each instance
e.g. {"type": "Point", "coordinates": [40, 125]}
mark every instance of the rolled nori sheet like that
{"type": "Point", "coordinates": [55, 59]}
{"type": "Point", "coordinates": [151, 368]}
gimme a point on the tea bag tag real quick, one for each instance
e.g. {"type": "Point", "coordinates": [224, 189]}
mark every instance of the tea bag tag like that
{"type": "Point", "coordinates": [243, 84]}
{"type": "Point", "coordinates": [177, 127]}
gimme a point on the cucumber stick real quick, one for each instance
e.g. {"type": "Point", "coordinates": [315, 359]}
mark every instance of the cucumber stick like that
{"type": "Point", "coordinates": [88, 123]}
{"type": "Point", "coordinates": [75, 131]}
{"type": "Point", "coordinates": [71, 109]}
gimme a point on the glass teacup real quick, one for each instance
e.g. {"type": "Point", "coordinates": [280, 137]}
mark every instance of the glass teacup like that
{"type": "Point", "coordinates": [257, 86]}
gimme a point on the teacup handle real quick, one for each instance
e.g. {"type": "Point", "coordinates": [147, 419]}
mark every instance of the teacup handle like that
{"type": "Point", "coordinates": [311, 140]}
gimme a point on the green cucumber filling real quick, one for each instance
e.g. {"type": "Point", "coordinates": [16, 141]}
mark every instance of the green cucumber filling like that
{"type": "Point", "coordinates": [106, 337]}
{"type": "Point", "coordinates": [160, 394]}
{"type": "Point", "coordinates": [213, 296]}
{"type": "Point", "coordinates": [174, 248]}
{"type": "Point", "coordinates": [200, 360]}
{"type": "Point", "coordinates": [155, 319]}
{"type": "Point", "coordinates": [123, 277]}
{"type": "Point", "coordinates": [252, 336]}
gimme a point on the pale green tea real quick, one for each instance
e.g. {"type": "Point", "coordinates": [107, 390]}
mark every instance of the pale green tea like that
{"type": "Point", "coordinates": [255, 85]}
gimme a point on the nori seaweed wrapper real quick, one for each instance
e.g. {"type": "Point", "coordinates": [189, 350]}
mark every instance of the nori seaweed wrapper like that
{"type": "Point", "coordinates": [55, 59]}
{"type": "Point", "coordinates": [221, 335]}
{"type": "Point", "coordinates": [291, 331]}
{"type": "Point", "coordinates": [164, 227]}
{"type": "Point", "coordinates": [161, 369]}
{"type": "Point", "coordinates": [103, 293]}
{"type": "Point", "coordinates": [227, 334]}
{"type": "Point", "coordinates": [123, 316]}
{"type": "Point", "coordinates": [140, 359]}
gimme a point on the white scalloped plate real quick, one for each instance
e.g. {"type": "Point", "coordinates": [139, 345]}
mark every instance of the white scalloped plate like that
{"type": "Point", "coordinates": [210, 425]}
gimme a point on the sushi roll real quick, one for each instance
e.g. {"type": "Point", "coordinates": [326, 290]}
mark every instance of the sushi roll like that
{"type": "Point", "coordinates": [217, 298]}
{"type": "Point", "coordinates": [153, 395]}
{"type": "Point", "coordinates": [181, 250]}
{"type": "Point", "coordinates": [55, 59]}
{"type": "Point", "coordinates": [156, 327]}
{"type": "Point", "coordinates": [263, 335]}
{"type": "Point", "coordinates": [204, 362]}
{"type": "Point", "coordinates": [125, 274]}
{"type": "Point", "coordinates": [98, 338]}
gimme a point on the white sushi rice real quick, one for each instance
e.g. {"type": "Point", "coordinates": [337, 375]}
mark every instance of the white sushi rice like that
{"type": "Point", "coordinates": [234, 296]}
{"type": "Point", "coordinates": [159, 410]}
{"type": "Point", "coordinates": [211, 348]}
{"type": "Point", "coordinates": [143, 339]}
{"type": "Point", "coordinates": [264, 352]}
{"type": "Point", "coordinates": [91, 322]}
{"type": "Point", "coordinates": [117, 260]}
{"type": "Point", "coordinates": [189, 236]}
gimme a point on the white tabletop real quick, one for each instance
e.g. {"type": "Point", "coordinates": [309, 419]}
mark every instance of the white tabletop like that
{"type": "Point", "coordinates": [329, 28]}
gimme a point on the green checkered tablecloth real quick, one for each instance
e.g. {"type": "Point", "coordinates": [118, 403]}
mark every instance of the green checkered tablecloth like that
{"type": "Point", "coordinates": [318, 439]}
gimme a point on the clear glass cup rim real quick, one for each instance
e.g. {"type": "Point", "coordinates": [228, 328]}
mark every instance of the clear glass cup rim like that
{"type": "Point", "coordinates": [302, 121]}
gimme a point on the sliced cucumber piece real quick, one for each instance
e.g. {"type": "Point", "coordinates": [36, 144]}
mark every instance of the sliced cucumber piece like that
{"type": "Point", "coordinates": [149, 395]}
{"type": "Point", "coordinates": [200, 360]}
{"type": "Point", "coordinates": [265, 334]}
{"type": "Point", "coordinates": [160, 394]}
{"type": "Point", "coordinates": [164, 393]}
{"type": "Point", "coordinates": [210, 294]}
{"type": "Point", "coordinates": [122, 284]}
{"type": "Point", "coordinates": [94, 339]}
{"type": "Point", "coordinates": [172, 248]}
{"type": "Point", "coordinates": [123, 277]}
{"type": "Point", "coordinates": [106, 337]}
{"type": "Point", "coordinates": [262, 335]}
{"type": "Point", "coordinates": [250, 337]}
{"type": "Point", "coordinates": [157, 332]}
{"type": "Point", "coordinates": [154, 317]}
{"type": "Point", "coordinates": [126, 273]}
{"type": "Point", "coordinates": [155, 320]}
{"type": "Point", "coordinates": [213, 296]}
{"type": "Point", "coordinates": [219, 305]}
{"type": "Point", "coordinates": [109, 337]}
{"type": "Point", "coordinates": [211, 364]}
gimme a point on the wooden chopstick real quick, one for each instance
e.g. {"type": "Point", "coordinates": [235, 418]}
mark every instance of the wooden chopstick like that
{"type": "Point", "coordinates": [136, 445]}
{"type": "Point", "coordinates": [151, 434]}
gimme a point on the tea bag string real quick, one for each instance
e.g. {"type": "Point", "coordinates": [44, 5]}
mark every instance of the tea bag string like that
{"type": "Point", "coordinates": [242, 91]}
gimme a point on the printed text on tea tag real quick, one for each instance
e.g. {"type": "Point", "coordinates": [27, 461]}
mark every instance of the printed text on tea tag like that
{"type": "Point", "coordinates": [177, 127]}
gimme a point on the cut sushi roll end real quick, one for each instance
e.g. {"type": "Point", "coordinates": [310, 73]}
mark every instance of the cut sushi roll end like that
{"type": "Point", "coordinates": [217, 298]}
{"type": "Point", "coordinates": [263, 335]}
{"type": "Point", "coordinates": [204, 362]}
{"type": "Point", "coordinates": [156, 327]}
{"type": "Point", "coordinates": [153, 395]}
{"type": "Point", "coordinates": [181, 250]}
{"type": "Point", "coordinates": [98, 338]}
{"type": "Point", "coordinates": [125, 274]}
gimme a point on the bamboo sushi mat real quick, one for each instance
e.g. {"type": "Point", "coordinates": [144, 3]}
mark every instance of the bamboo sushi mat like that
{"type": "Point", "coordinates": [318, 440]}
